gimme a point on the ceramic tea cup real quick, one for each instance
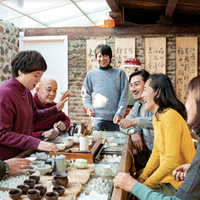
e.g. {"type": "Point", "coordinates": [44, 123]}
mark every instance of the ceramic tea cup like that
{"type": "Point", "coordinates": [15, 193]}
{"type": "Point", "coordinates": [41, 188]}
{"type": "Point", "coordinates": [80, 163]}
{"type": "Point", "coordinates": [36, 178]}
{"type": "Point", "coordinates": [97, 135]}
{"type": "Point", "coordinates": [30, 182]}
{"type": "Point", "coordinates": [23, 188]}
{"type": "Point", "coordinates": [51, 196]}
{"type": "Point", "coordinates": [61, 146]}
{"type": "Point", "coordinates": [76, 137]}
{"type": "Point", "coordinates": [33, 194]}
{"type": "Point", "coordinates": [68, 142]}
{"type": "Point", "coordinates": [59, 189]}
{"type": "Point", "coordinates": [110, 139]}
{"type": "Point", "coordinates": [44, 169]}
{"type": "Point", "coordinates": [105, 168]}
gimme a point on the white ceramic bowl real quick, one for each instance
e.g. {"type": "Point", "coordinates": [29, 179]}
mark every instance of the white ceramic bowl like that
{"type": "Point", "coordinates": [113, 144]}
{"type": "Point", "coordinates": [76, 137]}
{"type": "Point", "coordinates": [110, 139]}
{"type": "Point", "coordinates": [61, 146]}
{"type": "Point", "coordinates": [105, 168]}
{"type": "Point", "coordinates": [80, 163]}
{"type": "Point", "coordinates": [45, 169]}
{"type": "Point", "coordinates": [68, 142]}
{"type": "Point", "coordinates": [31, 158]}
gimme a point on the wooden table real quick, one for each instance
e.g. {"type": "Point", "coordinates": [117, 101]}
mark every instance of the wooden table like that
{"type": "Point", "coordinates": [126, 165]}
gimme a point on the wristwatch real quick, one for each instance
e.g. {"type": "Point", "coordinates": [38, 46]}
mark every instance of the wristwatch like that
{"type": "Point", "coordinates": [131, 131]}
{"type": "Point", "coordinates": [7, 168]}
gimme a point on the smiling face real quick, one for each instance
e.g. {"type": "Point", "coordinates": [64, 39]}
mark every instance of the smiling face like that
{"type": "Point", "coordinates": [191, 107]}
{"type": "Point", "coordinates": [47, 90]}
{"type": "Point", "coordinates": [29, 80]}
{"type": "Point", "coordinates": [137, 87]}
{"type": "Point", "coordinates": [103, 60]}
{"type": "Point", "coordinates": [148, 97]}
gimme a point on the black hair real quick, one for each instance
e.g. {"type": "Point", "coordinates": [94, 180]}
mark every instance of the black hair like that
{"type": "Point", "coordinates": [145, 74]}
{"type": "Point", "coordinates": [104, 49]}
{"type": "Point", "coordinates": [27, 62]}
{"type": "Point", "coordinates": [166, 96]}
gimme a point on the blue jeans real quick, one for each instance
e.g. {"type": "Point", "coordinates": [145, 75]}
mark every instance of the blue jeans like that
{"type": "Point", "coordinates": [104, 125]}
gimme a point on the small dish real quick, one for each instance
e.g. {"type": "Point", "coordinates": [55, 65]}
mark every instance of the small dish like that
{"type": "Point", "coordinates": [15, 194]}
{"type": "Point", "coordinates": [61, 146]}
{"type": "Point", "coordinates": [80, 163]}
{"type": "Point", "coordinates": [45, 169]}
{"type": "Point", "coordinates": [105, 168]}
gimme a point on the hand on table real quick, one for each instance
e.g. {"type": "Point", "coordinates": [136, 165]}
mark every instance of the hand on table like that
{"type": "Point", "coordinates": [137, 142]}
{"type": "Point", "coordinates": [17, 165]}
{"type": "Point", "coordinates": [62, 100]}
{"type": "Point", "coordinates": [52, 133]}
{"type": "Point", "coordinates": [179, 173]}
{"type": "Point", "coordinates": [117, 119]}
{"type": "Point", "coordinates": [127, 123]}
{"type": "Point", "coordinates": [47, 146]}
{"type": "Point", "coordinates": [60, 125]}
{"type": "Point", "coordinates": [124, 181]}
{"type": "Point", "coordinates": [90, 111]}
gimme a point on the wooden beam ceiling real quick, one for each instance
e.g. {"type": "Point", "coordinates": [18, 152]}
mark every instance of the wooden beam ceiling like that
{"type": "Point", "coordinates": [117, 12]}
{"type": "Point", "coordinates": [171, 5]}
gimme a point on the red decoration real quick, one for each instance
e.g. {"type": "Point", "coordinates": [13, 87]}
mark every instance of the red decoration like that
{"type": "Point", "coordinates": [133, 61]}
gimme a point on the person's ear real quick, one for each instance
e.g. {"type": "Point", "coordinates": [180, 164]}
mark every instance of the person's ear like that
{"type": "Point", "coordinates": [19, 72]}
{"type": "Point", "coordinates": [37, 89]}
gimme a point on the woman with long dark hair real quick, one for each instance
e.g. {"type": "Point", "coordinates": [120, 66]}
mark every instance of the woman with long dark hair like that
{"type": "Point", "coordinates": [173, 145]}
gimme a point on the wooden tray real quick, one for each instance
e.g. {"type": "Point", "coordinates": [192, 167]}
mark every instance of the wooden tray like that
{"type": "Point", "coordinates": [88, 155]}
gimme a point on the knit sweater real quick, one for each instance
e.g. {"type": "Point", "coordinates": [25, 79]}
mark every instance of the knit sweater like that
{"type": "Point", "coordinates": [173, 147]}
{"type": "Point", "coordinates": [107, 92]}
{"type": "Point", "coordinates": [144, 193]}
{"type": "Point", "coordinates": [44, 126]}
{"type": "Point", "coordinates": [18, 113]}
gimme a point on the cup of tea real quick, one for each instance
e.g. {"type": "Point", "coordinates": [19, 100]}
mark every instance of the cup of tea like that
{"type": "Point", "coordinates": [97, 135]}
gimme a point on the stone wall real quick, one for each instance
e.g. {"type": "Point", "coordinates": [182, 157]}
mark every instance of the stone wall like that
{"type": "Point", "coordinates": [77, 68]}
{"type": "Point", "coordinates": [9, 47]}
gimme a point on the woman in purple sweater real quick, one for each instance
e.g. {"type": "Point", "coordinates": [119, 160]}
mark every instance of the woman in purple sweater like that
{"type": "Point", "coordinates": [18, 111]}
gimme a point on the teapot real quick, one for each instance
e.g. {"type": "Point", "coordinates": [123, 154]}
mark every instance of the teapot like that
{"type": "Point", "coordinates": [60, 178]}
{"type": "Point", "coordinates": [77, 128]}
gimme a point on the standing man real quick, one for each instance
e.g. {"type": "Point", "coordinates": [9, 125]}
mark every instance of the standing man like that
{"type": "Point", "coordinates": [105, 92]}
{"type": "Point", "coordinates": [138, 123]}
{"type": "Point", "coordinates": [44, 96]}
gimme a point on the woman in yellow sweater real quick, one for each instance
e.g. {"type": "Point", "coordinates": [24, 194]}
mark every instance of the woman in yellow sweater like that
{"type": "Point", "coordinates": [173, 145]}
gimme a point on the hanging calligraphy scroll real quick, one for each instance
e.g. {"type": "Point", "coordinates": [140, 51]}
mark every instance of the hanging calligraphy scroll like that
{"type": "Point", "coordinates": [186, 64]}
{"type": "Point", "coordinates": [124, 48]}
{"type": "Point", "coordinates": [155, 55]}
{"type": "Point", "coordinates": [91, 61]}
